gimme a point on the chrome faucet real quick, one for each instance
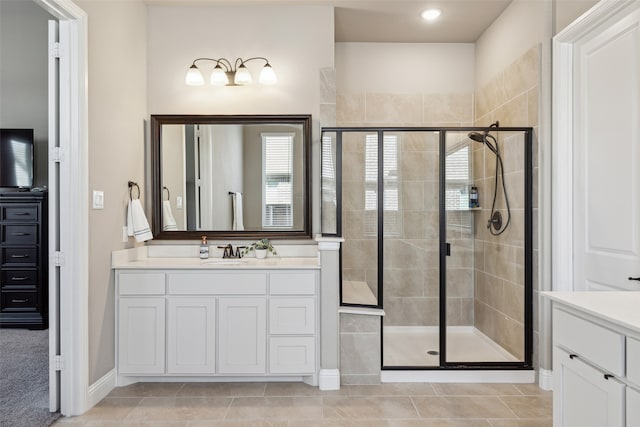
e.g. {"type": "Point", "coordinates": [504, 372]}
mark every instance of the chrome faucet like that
{"type": "Point", "coordinates": [230, 253]}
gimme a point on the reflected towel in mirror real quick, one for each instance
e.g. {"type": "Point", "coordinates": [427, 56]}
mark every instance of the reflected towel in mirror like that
{"type": "Point", "coordinates": [168, 221]}
{"type": "Point", "coordinates": [137, 224]}
{"type": "Point", "coordinates": [238, 222]}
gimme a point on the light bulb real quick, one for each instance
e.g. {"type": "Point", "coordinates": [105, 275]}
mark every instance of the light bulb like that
{"type": "Point", "coordinates": [219, 77]}
{"type": "Point", "coordinates": [431, 14]}
{"type": "Point", "coordinates": [194, 76]}
{"type": "Point", "coordinates": [267, 75]}
{"type": "Point", "coordinates": [242, 76]}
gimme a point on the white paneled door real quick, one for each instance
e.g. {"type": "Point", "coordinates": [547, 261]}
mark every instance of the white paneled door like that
{"type": "Point", "coordinates": [606, 156]}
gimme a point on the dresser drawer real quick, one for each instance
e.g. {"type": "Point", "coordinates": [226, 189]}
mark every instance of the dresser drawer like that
{"type": "Point", "coordinates": [20, 256]}
{"type": "Point", "coordinates": [592, 342]}
{"type": "Point", "coordinates": [19, 301]}
{"type": "Point", "coordinates": [17, 234]}
{"type": "Point", "coordinates": [20, 213]}
{"type": "Point", "coordinates": [19, 278]}
{"type": "Point", "coordinates": [633, 361]}
{"type": "Point", "coordinates": [292, 316]}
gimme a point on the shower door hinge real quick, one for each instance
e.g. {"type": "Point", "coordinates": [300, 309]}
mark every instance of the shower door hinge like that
{"type": "Point", "coordinates": [59, 362]}
{"type": "Point", "coordinates": [448, 249]}
{"type": "Point", "coordinates": [58, 259]}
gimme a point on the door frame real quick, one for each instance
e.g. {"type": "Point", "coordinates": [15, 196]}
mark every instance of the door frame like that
{"type": "Point", "coordinates": [562, 148]}
{"type": "Point", "coordinates": [74, 212]}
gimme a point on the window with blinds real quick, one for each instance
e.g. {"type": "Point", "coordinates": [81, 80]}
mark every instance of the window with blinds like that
{"type": "Point", "coordinates": [458, 176]}
{"type": "Point", "coordinates": [277, 179]}
{"type": "Point", "coordinates": [390, 178]}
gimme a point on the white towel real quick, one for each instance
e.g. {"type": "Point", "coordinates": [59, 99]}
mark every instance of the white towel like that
{"type": "Point", "coordinates": [238, 222]}
{"type": "Point", "coordinates": [137, 224]}
{"type": "Point", "coordinates": [168, 221]}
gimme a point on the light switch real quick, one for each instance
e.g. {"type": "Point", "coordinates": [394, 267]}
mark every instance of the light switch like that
{"type": "Point", "coordinates": [98, 199]}
{"type": "Point", "coordinates": [179, 202]}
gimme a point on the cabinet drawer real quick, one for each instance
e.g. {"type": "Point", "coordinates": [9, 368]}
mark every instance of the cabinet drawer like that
{"type": "Point", "coordinates": [20, 213]}
{"type": "Point", "coordinates": [20, 256]}
{"type": "Point", "coordinates": [302, 283]}
{"type": "Point", "coordinates": [292, 316]}
{"type": "Point", "coordinates": [595, 343]}
{"type": "Point", "coordinates": [217, 284]}
{"type": "Point", "coordinates": [292, 355]}
{"type": "Point", "coordinates": [142, 283]}
{"type": "Point", "coordinates": [633, 361]}
{"type": "Point", "coordinates": [15, 234]}
{"type": "Point", "coordinates": [19, 301]}
{"type": "Point", "coordinates": [13, 278]}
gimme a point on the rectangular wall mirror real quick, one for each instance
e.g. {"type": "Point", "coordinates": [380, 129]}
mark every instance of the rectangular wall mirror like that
{"type": "Point", "coordinates": [231, 177]}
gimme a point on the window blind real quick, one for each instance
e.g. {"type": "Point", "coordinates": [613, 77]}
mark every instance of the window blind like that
{"type": "Point", "coordinates": [277, 180]}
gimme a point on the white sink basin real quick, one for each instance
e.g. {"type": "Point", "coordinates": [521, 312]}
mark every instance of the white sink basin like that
{"type": "Point", "coordinates": [224, 261]}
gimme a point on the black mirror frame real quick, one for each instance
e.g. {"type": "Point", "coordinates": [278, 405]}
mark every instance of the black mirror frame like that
{"type": "Point", "coordinates": [156, 176]}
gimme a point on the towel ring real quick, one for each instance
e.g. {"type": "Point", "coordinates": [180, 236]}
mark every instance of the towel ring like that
{"type": "Point", "coordinates": [131, 185]}
{"type": "Point", "coordinates": [168, 194]}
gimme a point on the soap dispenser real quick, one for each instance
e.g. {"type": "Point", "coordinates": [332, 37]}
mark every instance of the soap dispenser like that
{"type": "Point", "coordinates": [204, 248]}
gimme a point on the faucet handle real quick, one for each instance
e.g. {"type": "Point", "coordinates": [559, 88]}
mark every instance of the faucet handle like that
{"type": "Point", "coordinates": [239, 251]}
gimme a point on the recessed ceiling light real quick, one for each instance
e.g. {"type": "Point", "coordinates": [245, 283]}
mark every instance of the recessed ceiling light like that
{"type": "Point", "coordinates": [431, 14]}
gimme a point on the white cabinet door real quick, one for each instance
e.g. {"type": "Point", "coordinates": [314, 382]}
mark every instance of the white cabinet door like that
{"type": "Point", "coordinates": [141, 330]}
{"type": "Point", "coordinates": [583, 397]}
{"type": "Point", "coordinates": [289, 355]}
{"type": "Point", "coordinates": [191, 335]}
{"type": "Point", "coordinates": [242, 329]}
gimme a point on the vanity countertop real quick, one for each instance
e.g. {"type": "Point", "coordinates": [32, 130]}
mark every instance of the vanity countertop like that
{"type": "Point", "coordinates": [620, 308]}
{"type": "Point", "coordinates": [218, 263]}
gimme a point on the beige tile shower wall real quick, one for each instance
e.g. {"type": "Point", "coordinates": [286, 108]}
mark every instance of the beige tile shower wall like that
{"type": "Point", "coordinates": [411, 246]}
{"type": "Point", "coordinates": [512, 99]}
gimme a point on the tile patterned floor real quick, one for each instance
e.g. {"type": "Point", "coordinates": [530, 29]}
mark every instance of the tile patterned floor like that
{"type": "Point", "coordinates": [300, 405]}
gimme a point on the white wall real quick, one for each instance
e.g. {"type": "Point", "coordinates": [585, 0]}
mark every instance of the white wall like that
{"type": "Point", "coordinates": [117, 110]}
{"type": "Point", "coordinates": [522, 25]}
{"type": "Point", "coordinates": [23, 75]}
{"type": "Point", "coordinates": [405, 67]}
{"type": "Point", "coordinates": [297, 40]}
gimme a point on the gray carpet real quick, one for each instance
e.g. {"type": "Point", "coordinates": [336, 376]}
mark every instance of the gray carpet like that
{"type": "Point", "coordinates": [24, 379]}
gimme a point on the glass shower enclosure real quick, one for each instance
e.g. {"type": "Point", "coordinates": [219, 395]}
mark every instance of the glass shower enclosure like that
{"type": "Point", "coordinates": [437, 224]}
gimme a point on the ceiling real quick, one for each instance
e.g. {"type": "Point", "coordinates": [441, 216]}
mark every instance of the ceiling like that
{"type": "Point", "coordinates": [462, 21]}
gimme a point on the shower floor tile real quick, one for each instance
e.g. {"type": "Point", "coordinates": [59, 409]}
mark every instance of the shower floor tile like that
{"type": "Point", "coordinates": [414, 346]}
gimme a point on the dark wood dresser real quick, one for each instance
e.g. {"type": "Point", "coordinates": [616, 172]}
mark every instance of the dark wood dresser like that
{"type": "Point", "coordinates": [24, 277]}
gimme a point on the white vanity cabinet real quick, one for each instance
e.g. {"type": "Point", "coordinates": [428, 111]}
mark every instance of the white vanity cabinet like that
{"type": "Point", "coordinates": [596, 360]}
{"type": "Point", "coordinates": [217, 322]}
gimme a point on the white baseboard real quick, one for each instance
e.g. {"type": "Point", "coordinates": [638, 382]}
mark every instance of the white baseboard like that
{"type": "Point", "coordinates": [329, 379]}
{"type": "Point", "coordinates": [462, 376]}
{"type": "Point", "coordinates": [101, 388]}
{"type": "Point", "coordinates": [545, 379]}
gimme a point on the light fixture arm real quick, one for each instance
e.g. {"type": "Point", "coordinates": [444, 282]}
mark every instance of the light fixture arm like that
{"type": "Point", "coordinates": [243, 61]}
{"type": "Point", "coordinates": [220, 61]}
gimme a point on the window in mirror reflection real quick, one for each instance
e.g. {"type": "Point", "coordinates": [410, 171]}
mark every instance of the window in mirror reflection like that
{"type": "Point", "coordinates": [277, 164]}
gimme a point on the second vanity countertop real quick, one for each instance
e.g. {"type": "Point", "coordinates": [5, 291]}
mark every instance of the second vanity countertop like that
{"type": "Point", "coordinates": [620, 308]}
{"type": "Point", "coordinates": [217, 263]}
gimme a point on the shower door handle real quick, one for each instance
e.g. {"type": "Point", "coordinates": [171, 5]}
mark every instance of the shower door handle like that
{"type": "Point", "coordinates": [635, 278]}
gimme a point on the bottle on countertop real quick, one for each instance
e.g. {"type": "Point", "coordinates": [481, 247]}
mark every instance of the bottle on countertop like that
{"type": "Point", "coordinates": [204, 248]}
{"type": "Point", "coordinates": [473, 197]}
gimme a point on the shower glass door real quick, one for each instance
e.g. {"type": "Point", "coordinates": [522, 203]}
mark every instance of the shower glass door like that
{"type": "Point", "coordinates": [410, 266]}
{"type": "Point", "coordinates": [486, 193]}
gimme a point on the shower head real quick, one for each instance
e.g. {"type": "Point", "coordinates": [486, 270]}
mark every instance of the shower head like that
{"type": "Point", "coordinates": [477, 137]}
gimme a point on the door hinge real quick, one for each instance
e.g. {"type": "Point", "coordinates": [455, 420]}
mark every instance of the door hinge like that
{"type": "Point", "coordinates": [58, 259]}
{"type": "Point", "coordinates": [56, 50]}
{"type": "Point", "coordinates": [59, 362]}
{"type": "Point", "coordinates": [56, 154]}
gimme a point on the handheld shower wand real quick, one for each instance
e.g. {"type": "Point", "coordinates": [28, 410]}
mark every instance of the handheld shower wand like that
{"type": "Point", "coordinates": [494, 224]}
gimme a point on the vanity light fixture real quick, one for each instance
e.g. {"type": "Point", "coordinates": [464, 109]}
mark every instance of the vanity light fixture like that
{"type": "Point", "coordinates": [431, 14]}
{"type": "Point", "coordinates": [226, 73]}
